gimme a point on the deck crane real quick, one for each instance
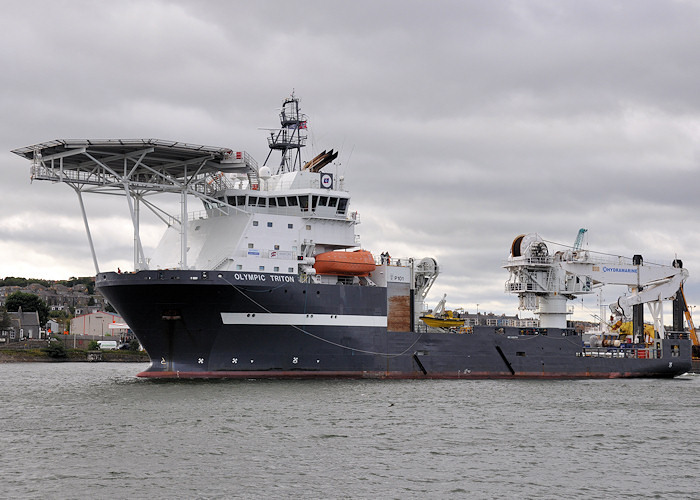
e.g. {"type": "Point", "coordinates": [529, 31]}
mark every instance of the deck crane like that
{"type": "Point", "coordinates": [544, 282]}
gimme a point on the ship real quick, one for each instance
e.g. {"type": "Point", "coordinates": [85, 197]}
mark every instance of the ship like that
{"type": "Point", "coordinates": [268, 278]}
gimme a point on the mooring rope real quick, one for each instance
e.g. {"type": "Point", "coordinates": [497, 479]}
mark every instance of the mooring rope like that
{"type": "Point", "coordinates": [305, 332]}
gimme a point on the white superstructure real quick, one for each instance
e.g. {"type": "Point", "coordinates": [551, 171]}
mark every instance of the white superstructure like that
{"type": "Point", "coordinates": [272, 223]}
{"type": "Point", "coordinates": [273, 226]}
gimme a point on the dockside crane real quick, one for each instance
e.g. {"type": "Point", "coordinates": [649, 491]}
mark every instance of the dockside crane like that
{"type": "Point", "coordinates": [579, 239]}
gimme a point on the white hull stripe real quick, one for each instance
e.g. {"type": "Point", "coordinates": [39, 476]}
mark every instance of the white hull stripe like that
{"type": "Point", "coordinates": [302, 319]}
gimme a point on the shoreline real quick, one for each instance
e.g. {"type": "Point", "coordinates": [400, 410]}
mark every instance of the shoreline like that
{"type": "Point", "coordinates": [72, 356]}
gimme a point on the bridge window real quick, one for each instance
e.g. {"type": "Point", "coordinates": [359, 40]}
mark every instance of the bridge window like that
{"type": "Point", "coordinates": [282, 202]}
{"type": "Point", "coordinates": [342, 205]}
{"type": "Point", "coordinates": [273, 202]}
{"type": "Point", "coordinates": [323, 201]}
{"type": "Point", "coordinates": [304, 203]}
{"type": "Point", "coordinates": [292, 201]}
{"type": "Point", "coordinates": [332, 202]}
{"type": "Point", "coordinates": [314, 202]}
{"type": "Point", "coordinates": [252, 200]}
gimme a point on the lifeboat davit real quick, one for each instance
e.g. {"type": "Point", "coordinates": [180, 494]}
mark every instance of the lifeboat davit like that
{"type": "Point", "coordinates": [357, 263]}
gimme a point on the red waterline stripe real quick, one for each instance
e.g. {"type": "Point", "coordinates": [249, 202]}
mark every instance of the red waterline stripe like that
{"type": "Point", "coordinates": [385, 375]}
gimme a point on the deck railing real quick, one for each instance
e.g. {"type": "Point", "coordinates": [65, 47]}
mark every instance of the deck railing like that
{"type": "Point", "coordinates": [621, 352]}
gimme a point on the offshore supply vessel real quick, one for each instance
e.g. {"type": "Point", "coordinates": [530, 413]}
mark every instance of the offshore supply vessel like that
{"type": "Point", "coordinates": [269, 279]}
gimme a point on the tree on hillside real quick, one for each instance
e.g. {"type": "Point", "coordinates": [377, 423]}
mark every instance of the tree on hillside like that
{"type": "Point", "coordinates": [4, 319]}
{"type": "Point", "coordinates": [88, 281]}
{"type": "Point", "coordinates": [28, 302]}
{"type": "Point", "coordinates": [13, 281]}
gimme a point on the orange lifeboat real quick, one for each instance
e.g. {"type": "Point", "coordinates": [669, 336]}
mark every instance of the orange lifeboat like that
{"type": "Point", "coordinates": [357, 263]}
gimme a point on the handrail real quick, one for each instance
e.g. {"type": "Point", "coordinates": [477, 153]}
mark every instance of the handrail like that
{"type": "Point", "coordinates": [622, 352]}
{"type": "Point", "coordinates": [393, 261]}
{"type": "Point", "coordinates": [226, 210]}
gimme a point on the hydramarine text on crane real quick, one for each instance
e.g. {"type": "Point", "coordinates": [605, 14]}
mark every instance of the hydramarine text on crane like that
{"type": "Point", "coordinates": [618, 270]}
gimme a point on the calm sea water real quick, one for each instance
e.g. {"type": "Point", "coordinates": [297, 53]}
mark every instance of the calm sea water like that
{"type": "Point", "coordinates": [77, 430]}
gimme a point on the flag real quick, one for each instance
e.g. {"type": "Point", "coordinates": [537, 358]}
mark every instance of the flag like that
{"type": "Point", "coordinates": [302, 124]}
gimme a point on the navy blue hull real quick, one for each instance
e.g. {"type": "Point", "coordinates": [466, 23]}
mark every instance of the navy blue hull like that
{"type": "Point", "coordinates": [241, 325]}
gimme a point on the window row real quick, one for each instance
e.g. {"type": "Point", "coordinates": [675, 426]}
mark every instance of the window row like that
{"type": "Point", "coordinates": [270, 224]}
{"type": "Point", "coordinates": [239, 267]}
{"type": "Point", "coordinates": [340, 204]}
{"type": "Point", "coordinates": [277, 247]}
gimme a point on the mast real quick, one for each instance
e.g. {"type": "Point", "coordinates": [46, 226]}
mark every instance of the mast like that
{"type": "Point", "coordinates": [290, 137]}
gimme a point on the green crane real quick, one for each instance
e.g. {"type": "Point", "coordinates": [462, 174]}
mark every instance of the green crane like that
{"type": "Point", "coordinates": [579, 239]}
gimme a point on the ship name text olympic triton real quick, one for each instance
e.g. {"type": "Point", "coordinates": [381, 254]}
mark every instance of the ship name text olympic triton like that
{"type": "Point", "coordinates": [263, 277]}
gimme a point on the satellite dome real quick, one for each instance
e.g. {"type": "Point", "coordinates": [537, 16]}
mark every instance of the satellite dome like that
{"type": "Point", "coordinates": [265, 173]}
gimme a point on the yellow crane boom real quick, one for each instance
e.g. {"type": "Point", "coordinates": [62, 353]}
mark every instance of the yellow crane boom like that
{"type": "Point", "coordinates": [689, 319]}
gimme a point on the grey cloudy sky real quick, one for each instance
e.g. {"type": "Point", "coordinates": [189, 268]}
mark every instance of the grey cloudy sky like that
{"type": "Point", "coordinates": [460, 124]}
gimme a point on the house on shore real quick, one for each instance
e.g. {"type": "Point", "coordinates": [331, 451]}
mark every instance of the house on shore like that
{"type": "Point", "coordinates": [102, 324]}
{"type": "Point", "coordinates": [23, 325]}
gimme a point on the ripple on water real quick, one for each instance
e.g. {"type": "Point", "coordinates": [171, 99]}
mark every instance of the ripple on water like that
{"type": "Point", "coordinates": [97, 431]}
